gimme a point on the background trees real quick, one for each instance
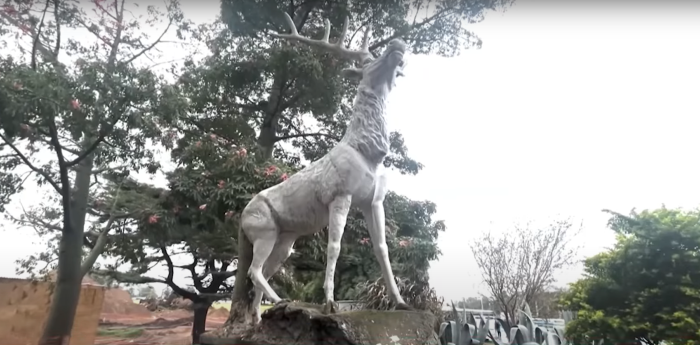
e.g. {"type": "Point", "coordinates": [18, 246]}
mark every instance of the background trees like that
{"type": "Point", "coordinates": [519, 265]}
{"type": "Point", "coordinates": [646, 287]}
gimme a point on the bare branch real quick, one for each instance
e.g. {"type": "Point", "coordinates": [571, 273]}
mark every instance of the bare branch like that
{"type": "Point", "coordinates": [152, 45]}
{"type": "Point", "coordinates": [519, 265]}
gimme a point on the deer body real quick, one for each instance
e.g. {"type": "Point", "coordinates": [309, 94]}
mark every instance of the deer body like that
{"type": "Point", "coordinates": [320, 195]}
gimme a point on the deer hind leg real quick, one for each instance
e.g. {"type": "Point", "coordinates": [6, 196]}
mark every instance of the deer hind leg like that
{"type": "Point", "coordinates": [375, 219]}
{"type": "Point", "coordinates": [280, 253]}
{"type": "Point", "coordinates": [261, 230]}
{"type": "Point", "coordinates": [338, 214]}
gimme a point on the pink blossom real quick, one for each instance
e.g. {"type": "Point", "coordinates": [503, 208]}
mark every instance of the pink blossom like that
{"type": "Point", "coordinates": [270, 170]}
{"type": "Point", "coordinates": [212, 136]}
{"type": "Point", "coordinates": [228, 214]}
{"type": "Point", "coordinates": [222, 184]}
{"type": "Point", "coordinates": [364, 240]}
{"type": "Point", "coordinates": [404, 243]}
{"type": "Point", "coordinates": [75, 104]}
{"type": "Point", "coordinates": [9, 9]}
{"type": "Point", "coordinates": [153, 219]}
{"type": "Point", "coordinates": [242, 152]}
{"type": "Point", "coordinates": [203, 207]}
{"type": "Point", "coordinates": [284, 177]}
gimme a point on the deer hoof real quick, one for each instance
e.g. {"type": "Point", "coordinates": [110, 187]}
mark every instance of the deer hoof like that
{"type": "Point", "coordinates": [282, 301]}
{"type": "Point", "coordinates": [329, 308]}
{"type": "Point", "coordinates": [404, 306]}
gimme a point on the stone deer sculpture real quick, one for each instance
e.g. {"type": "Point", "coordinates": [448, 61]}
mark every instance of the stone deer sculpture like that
{"type": "Point", "coordinates": [351, 174]}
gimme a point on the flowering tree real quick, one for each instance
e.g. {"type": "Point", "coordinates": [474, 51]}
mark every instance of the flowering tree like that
{"type": "Point", "coordinates": [192, 221]}
{"type": "Point", "coordinates": [92, 108]}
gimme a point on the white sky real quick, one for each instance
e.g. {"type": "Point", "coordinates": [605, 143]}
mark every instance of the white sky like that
{"type": "Point", "coordinates": [566, 110]}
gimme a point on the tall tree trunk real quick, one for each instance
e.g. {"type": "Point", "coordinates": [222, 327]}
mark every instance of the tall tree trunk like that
{"type": "Point", "coordinates": [66, 293]}
{"type": "Point", "coordinates": [64, 300]}
{"type": "Point", "coordinates": [199, 324]}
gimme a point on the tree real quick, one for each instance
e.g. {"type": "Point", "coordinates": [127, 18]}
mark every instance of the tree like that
{"type": "Point", "coordinates": [88, 104]}
{"type": "Point", "coordinates": [520, 264]}
{"type": "Point", "coordinates": [194, 217]}
{"type": "Point", "coordinates": [546, 303]}
{"type": "Point", "coordinates": [293, 94]}
{"type": "Point", "coordinates": [411, 238]}
{"type": "Point", "coordinates": [646, 287]}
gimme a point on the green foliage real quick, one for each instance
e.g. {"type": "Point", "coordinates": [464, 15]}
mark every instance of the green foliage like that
{"type": "Point", "coordinates": [411, 238]}
{"type": "Point", "coordinates": [196, 216]}
{"type": "Point", "coordinates": [646, 287]}
{"type": "Point", "coordinates": [96, 110]}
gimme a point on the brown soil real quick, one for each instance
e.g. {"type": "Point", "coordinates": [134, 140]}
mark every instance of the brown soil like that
{"type": "Point", "coordinates": [118, 301]}
{"type": "Point", "coordinates": [168, 327]}
{"type": "Point", "coordinates": [217, 313]}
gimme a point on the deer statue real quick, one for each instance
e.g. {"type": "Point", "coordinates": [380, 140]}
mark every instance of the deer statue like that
{"type": "Point", "coordinates": [351, 174]}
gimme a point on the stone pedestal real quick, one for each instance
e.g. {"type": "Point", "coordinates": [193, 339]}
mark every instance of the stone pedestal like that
{"type": "Point", "coordinates": [304, 324]}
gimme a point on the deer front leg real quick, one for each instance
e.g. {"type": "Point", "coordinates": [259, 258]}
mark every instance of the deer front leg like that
{"type": "Point", "coordinates": [337, 217]}
{"type": "Point", "coordinates": [374, 216]}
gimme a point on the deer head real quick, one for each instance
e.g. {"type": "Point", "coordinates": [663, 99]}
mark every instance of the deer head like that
{"type": "Point", "coordinates": [378, 75]}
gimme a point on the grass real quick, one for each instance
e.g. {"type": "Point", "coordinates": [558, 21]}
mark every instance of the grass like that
{"type": "Point", "coordinates": [120, 332]}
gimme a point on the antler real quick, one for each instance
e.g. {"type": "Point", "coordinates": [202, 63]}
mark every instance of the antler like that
{"type": "Point", "coordinates": [336, 48]}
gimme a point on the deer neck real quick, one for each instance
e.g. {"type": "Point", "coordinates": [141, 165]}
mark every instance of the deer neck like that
{"type": "Point", "coordinates": [367, 131]}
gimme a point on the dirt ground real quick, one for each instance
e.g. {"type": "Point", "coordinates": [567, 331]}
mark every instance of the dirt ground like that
{"type": "Point", "coordinates": [124, 322]}
{"type": "Point", "coordinates": [171, 327]}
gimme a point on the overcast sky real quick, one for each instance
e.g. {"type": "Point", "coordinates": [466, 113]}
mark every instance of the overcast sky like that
{"type": "Point", "coordinates": [566, 110]}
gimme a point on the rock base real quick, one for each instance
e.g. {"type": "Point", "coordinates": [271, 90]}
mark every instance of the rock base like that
{"type": "Point", "coordinates": [304, 324]}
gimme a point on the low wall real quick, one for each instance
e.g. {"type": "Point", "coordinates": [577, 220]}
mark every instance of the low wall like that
{"type": "Point", "coordinates": [24, 306]}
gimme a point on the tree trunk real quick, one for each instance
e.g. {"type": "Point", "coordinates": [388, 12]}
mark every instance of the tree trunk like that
{"type": "Point", "coordinates": [241, 300]}
{"type": "Point", "coordinates": [66, 293]}
{"type": "Point", "coordinates": [199, 325]}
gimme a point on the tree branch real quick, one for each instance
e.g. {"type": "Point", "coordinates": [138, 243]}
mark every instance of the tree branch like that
{"type": "Point", "coordinates": [31, 166]}
{"type": "Point", "coordinates": [171, 273]}
{"type": "Point", "coordinates": [101, 241]}
{"type": "Point", "coordinates": [65, 182]}
{"type": "Point", "coordinates": [136, 56]}
{"type": "Point", "coordinates": [400, 33]}
{"type": "Point", "coordinates": [100, 138]}
{"type": "Point", "coordinates": [35, 45]}
{"type": "Point", "coordinates": [305, 135]}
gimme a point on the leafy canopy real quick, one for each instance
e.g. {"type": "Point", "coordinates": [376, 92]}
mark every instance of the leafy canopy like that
{"type": "Point", "coordinates": [647, 287]}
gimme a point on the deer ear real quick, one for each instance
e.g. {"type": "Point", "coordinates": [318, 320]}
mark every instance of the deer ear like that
{"type": "Point", "coordinates": [354, 74]}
